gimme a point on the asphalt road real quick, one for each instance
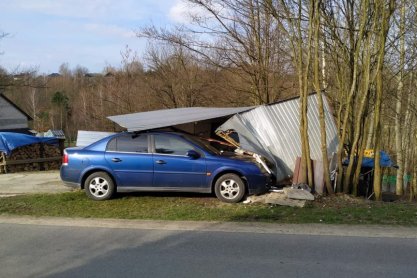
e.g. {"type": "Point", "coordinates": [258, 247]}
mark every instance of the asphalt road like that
{"type": "Point", "coordinates": [81, 251]}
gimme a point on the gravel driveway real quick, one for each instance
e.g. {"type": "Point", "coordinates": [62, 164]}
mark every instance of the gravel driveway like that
{"type": "Point", "coordinates": [31, 182]}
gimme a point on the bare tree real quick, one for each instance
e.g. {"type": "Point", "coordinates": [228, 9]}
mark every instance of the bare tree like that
{"type": "Point", "coordinates": [236, 36]}
{"type": "Point", "coordinates": [176, 78]}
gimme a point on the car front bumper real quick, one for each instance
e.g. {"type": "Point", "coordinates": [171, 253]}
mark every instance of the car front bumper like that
{"type": "Point", "coordinates": [258, 184]}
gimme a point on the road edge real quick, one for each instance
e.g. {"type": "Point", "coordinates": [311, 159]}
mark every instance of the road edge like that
{"type": "Point", "coordinates": [213, 226]}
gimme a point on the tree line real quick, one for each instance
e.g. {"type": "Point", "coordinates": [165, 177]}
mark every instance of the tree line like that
{"type": "Point", "coordinates": [361, 54]}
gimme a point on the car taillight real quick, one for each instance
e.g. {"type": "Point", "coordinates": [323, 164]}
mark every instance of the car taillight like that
{"type": "Point", "coordinates": [65, 159]}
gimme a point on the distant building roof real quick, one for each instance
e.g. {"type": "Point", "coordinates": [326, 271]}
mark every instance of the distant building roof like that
{"type": "Point", "coordinates": [89, 74]}
{"type": "Point", "coordinates": [21, 76]}
{"type": "Point", "coordinates": [55, 74]}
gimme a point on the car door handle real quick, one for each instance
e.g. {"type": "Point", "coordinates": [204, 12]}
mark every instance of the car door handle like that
{"type": "Point", "coordinates": [116, 159]}
{"type": "Point", "coordinates": [160, 162]}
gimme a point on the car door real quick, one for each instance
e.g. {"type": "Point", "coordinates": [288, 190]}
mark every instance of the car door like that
{"type": "Point", "coordinates": [130, 160]}
{"type": "Point", "coordinates": [173, 169]}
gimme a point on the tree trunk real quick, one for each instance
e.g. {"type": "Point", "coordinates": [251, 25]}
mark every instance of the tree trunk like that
{"type": "Point", "coordinates": [413, 187]}
{"type": "Point", "coordinates": [385, 15]}
{"type": "Point", "coordinates": [361, 150]}
{"type": "Point", "coordinates": [398, 109]}
{"type": "Point", "coordinates": [317, 88]}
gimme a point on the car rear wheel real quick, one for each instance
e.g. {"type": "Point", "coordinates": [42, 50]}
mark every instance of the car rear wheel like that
{"type": "Point", "coordinates": [99, 186]}
{"type": "Point", "coordinates": [229, 188]}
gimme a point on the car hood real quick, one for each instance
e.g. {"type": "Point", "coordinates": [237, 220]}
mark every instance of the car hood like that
{"type": "Point", "coordinates": [234, 156]}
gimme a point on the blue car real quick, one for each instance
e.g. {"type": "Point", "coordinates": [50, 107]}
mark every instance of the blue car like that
{"type": "Point", "coordinates": [161, 161]}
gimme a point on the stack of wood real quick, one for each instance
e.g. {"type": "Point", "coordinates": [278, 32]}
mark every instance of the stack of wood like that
{"type": "Point", "coordinates": [35, 157]}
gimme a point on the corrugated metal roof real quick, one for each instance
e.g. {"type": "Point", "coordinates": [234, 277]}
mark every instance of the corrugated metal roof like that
{"type": "Point", "coordinates": [171, 117]}
{"type": "Point", "coordinates": [85, 138]}
{"type": "Point", "coordinates": [58, 133]}
{"type": "Point", "coordinates": [273, 132]}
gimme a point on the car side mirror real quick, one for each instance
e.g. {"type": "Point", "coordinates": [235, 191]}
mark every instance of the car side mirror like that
{"type": "Point", "coordinates": [193, 154]}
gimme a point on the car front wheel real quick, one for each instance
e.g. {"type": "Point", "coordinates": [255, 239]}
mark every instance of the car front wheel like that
{"type": "Point", "coordinates": [99, 186]}
{"type": "Point", "coordinates": [229, 188]}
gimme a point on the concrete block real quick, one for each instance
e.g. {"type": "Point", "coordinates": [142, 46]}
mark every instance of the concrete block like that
{"type": "Point", "coordinates": [282, 200]}
{"type": "Point", "coordinates": [298, 194]}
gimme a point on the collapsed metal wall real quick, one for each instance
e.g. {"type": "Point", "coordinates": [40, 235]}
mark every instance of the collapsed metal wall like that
{"type": "Point", "coordinates": [273, 132]}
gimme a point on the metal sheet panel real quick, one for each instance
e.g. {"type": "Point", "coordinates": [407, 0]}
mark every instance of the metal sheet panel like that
{"type": "Point", "coordinates": [10, 116]}
{"type": "Point", "coordinates": [170, 117]}
{"type": "Point", "coordinates": [85, 138]}
{"type": "Point", "coordinates": [276, 128]}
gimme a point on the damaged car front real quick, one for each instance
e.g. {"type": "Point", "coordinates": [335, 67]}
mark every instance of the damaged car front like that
{"type": "Point", "coordinates": [251, 169]}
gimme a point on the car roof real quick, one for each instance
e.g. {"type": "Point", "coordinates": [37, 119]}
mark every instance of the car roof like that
{"type": "Point", "coordinates": [110, 137]}
{"type": "Point", "coordinates": [158, 132]}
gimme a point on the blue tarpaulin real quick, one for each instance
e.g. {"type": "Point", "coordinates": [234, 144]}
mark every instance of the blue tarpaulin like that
{"type": "Point", "coordinates": [368, 162]}
{"type": "Point", "coordinates": [10, 141]}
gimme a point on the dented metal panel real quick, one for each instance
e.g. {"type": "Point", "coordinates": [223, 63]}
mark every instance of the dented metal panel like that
{"type": "Point", "coordinates": [273, 132]}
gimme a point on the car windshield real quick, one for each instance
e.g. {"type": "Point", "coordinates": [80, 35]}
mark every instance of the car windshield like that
{"type": "Point", "coordinates": [203, 144]}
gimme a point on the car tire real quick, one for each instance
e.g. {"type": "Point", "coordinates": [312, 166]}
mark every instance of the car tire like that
{"type": "Point", "coordinates": [99, 186]}
{"type": "Point", "coordinates": [229, 188]}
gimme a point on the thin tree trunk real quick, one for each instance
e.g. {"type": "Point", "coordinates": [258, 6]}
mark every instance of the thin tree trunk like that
{"type": "Point", "coordinates": [370, 133]}
{"type": "Point", "coordinates": [316, 83]}
{"type": "Point", "coordinates": [398, 108]}
{"type": "Point", "coordinates": [385, 18]}
{"type": "Point", "coordinates": [413, 187]}
{"type": "Point", "coordinates": [303, 70]}
{"type": "Point", "coordinates": [361, 150]}
{"type": "Point", "coordinates": [305, 90]}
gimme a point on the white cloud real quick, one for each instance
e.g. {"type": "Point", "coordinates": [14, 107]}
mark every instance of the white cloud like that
{"type": "Point", "coordinates": [182, 12]}
{"type": "Point", "coordinates": [178, 12]}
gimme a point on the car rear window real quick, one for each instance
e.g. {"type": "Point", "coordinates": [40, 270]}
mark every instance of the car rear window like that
{"type": "Point", "coordinates": [131, 143]}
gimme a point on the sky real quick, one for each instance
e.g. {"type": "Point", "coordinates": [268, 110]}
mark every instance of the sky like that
{"type": "Point", "coordinates": [43, 34]}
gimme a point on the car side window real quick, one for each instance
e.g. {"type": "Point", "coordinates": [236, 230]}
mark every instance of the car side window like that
{"type": "Point", "coordinates": [171, 145]}
{"type": "Point", "coordinates": [129, 143]}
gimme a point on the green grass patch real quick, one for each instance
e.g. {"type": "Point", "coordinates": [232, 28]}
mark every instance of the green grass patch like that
{"type": "Point", "coordinates": [196, 207]}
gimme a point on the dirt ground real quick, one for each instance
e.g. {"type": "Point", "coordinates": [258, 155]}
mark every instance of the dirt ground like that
{"type": "Point", "coordinates": [343, 200]}
{"type": "Point", "coordinates": [31, 182]}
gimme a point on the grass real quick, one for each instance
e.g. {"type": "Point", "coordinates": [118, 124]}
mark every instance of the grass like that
{"type": "Point", "coordinates": [334, 210]}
